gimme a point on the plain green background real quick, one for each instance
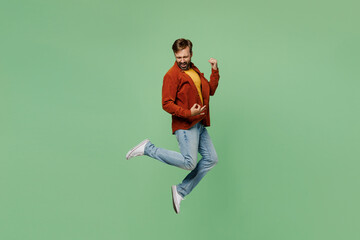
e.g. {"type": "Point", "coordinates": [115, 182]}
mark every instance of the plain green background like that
{"type": "Point", "coordinates": [81, 84]}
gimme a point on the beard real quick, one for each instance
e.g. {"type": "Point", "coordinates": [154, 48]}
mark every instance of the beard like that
{"type": "Point", "coordinates": [184, 66]}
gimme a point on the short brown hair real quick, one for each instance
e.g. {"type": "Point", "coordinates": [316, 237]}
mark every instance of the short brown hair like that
{"type": "Point", "coordinates": [180, 44]}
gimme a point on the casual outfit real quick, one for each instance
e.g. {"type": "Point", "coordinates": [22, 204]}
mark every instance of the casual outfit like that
{"type": "Point", "coordinates": [181, 90]}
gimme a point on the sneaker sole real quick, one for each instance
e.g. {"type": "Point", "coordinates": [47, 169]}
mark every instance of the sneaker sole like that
{"type": "Point", "coordinates": [173, 192]}
{"type": "Point", "coordinates": [134, 148]}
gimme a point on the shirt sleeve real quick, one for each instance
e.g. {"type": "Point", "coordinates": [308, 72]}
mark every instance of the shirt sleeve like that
{"type": "Point", "coordinates": [214, 81]}
{"type": "Point", "coordinates": [169, 91]}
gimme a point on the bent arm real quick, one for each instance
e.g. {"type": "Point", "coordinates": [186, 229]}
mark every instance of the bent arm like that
{"type": "Point", "coordinates": [169, 90]}
{"type": "Point", "coordinates": [214, 80]}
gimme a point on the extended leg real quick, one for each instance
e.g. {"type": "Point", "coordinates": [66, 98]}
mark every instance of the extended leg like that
{"type": "Point", "coordinates": [188, 144]}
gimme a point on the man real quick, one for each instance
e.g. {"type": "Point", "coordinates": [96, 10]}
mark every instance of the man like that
{"type": "Point", "coordinates": [185, 95]}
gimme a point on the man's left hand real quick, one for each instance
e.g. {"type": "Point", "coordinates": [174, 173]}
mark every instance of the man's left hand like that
{"type": "Point", "coordinates": [213, 63]}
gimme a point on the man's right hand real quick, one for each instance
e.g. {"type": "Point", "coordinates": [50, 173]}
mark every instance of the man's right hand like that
{"type": "Point", "coordinates": [197, 110]}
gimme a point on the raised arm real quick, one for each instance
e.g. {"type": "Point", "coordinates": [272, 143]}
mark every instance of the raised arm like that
{"type": "Point", "coordinates": [214, 77]}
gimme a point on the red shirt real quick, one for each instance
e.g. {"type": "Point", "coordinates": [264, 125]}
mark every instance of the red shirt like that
{"type": "Point", "coordinates": [179, 94]}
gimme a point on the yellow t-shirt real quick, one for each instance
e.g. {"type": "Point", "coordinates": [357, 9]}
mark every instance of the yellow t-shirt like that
{"type": "Point", "coordinates": [196, 79]}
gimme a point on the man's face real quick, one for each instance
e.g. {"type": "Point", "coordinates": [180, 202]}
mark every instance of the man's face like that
{"type": "Point", "coordinates": [183, 58]}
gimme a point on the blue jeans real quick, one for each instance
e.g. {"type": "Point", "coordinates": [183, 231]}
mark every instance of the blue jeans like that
{"type": "Point", "coordinates": [191, 141]}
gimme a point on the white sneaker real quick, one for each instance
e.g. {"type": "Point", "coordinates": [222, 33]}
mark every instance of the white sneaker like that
{"type": "Point", "coordinates": [176, 199]}
{"type": "Point", "coordinates": [138, 150]}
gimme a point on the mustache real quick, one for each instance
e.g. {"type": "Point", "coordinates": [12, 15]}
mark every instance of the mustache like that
{"type": "Point", "coordinates": [184, 65]}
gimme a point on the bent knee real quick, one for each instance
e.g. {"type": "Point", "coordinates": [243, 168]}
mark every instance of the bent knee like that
{"type": "Point", "coordinates": [190, 164]}
{"type": "Point", "coordinates": [210, 161]}
{"type": "Point", "coordinates": [214, 160]}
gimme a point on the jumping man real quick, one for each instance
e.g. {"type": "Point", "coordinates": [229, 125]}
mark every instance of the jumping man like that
{"type": "Point", "coordinates": [185, 95]}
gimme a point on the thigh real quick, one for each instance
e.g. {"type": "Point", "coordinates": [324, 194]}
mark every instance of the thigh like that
{"type": "Point", "coordinates": [188, 142]}
{"type": "Point", "coordinates": [206, 146]}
